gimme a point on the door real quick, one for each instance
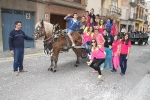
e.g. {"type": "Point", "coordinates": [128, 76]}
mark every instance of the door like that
{"type": "Point", "coordinates": [54, 19]}
{"type": "Point", "coordinates": [9, 17]}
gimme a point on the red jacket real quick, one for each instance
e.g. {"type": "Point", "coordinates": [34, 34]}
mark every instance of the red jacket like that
{"type": "Point", "coordinates": [113, 30]}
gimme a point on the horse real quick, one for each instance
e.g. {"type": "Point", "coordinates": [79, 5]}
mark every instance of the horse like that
{"type": "Point", "coordinates": [55, 46]}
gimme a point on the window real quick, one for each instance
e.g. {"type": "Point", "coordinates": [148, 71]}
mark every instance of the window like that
{"type": "Point", "coordinates": [78, 1]}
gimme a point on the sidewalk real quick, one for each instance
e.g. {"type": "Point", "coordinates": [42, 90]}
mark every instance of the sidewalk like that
{"type": "Point", "coordinates": [27, 51]}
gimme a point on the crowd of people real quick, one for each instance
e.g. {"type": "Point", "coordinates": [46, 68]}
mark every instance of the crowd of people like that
{"type": "Point", "coordinates": [106, 47]}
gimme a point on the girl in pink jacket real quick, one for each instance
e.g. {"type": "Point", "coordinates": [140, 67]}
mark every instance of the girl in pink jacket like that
{"type": "Point", "coordinates": [116, 52]}
{"type": "Point", "coordinates": [98, 56]}
{"type": "Point", "coordinates": [87, 36]}
{"type": "Point", "coordinates": [101, 27]}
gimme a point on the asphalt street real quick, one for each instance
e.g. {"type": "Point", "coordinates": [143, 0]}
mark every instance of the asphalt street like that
{"type": "Point", "coordinates": [69, 82]}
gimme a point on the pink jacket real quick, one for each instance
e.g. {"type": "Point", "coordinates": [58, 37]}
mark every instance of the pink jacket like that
{"type": "Point", "coordinates": [113, 30]}
{"type": "Point", "coordinates": [98, 53]}
{"type": "Point", "coordinates": [99, 38]}
{"type": "Point", "coordinates": [101, 29]}
{"type": "Point", "coordinates": [87, 37]}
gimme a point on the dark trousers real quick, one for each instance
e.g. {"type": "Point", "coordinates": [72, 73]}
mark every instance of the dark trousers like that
{"type": "Point", "coordinates": [123, 63]}
{"type": "Point", "coordinates": [96, 63]}
{"type": "Point", "coordinates": [87, 47]}
{"type": "Point", "coordinates": [18, 58]}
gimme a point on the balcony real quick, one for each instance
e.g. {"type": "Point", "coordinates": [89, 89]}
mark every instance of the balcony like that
{"type": "Point", "coordinates": [104, 12]}
{"type": "Point", "coordinates": [132, 16]}
{"type": "Point", "coordinates": [146, 22]}
{"type": "Point", "coordinates": [115, 10]}
{"type": "Point", "coordinates": [140, 17]}
{"type": "Point", "coordinates": [133, 3]}
{"type": "Point", "coordinates": [142, 3]}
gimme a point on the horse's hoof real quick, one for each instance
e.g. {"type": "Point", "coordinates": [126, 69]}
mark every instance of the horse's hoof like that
{"type": "Point", "coordinates": [76, 65]}
{"type": "Point", "coordinates": [50, 69]}
{"type": "Point", "coordinates": [54, 71]}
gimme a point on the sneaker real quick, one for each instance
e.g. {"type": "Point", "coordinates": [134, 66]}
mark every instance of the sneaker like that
{"type": "Point", "coordinates": [23, 70]}
{"type": "Point", "coordinates": [99, 76]}
{"type": "Point", "coordinates": [102, 68]}
{"type": "Point", "coordinates": [94, 71]}
{"type": "Point", "coordinates": [73, 44]}
{"type": "Point", "coordinates": [89, 56]}
{"type": "Point", "coordinates": [16, 73]}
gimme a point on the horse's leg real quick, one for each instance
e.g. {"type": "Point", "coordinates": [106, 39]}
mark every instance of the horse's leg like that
{"type": "Point", "coordinates": [55, 60]}
{"type": "Point", "coordinates": [78, 54]}
{"type": "Point", "coordinates": [51, 66]}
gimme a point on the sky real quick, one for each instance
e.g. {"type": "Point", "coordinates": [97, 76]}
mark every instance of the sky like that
{"type": "Point", "coordinates": [147, 0]}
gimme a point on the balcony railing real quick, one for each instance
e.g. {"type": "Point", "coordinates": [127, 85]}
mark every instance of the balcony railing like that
{"type": "Point", "coordinates": [104, 12]}
{"type": "Point", "coordinates": [146, 22]}
{"type": "Point", "coordinates": [142, 3]}
{"type": "Point", "coordinates": [132, 16]}
{"type": "Point", "coordinates": [115, 10]}
{"type": "Point", "coordinates": [140, 17]}
{"type": "Point", "coordinates": [134, 3]}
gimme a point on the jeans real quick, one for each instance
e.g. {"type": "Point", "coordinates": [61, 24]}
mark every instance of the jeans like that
{"type": "Point", "coordinates": [123, 63]}
{"type": "Point", "coordinates": [108, 58]}
{"type": "Point", "coordinates": [18, 58]}
{"type": "Point", "coordinates": [96, 63]}
{"type": "Point", "coordinates": [87, 47]}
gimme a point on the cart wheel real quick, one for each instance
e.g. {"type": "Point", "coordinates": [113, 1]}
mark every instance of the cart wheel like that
{"type": "Point", "coordinates": [83, 53]}
{"type": "Point", "coordinates": [132, 42]}
{"type": "Point", "coordinates": [140, 42]}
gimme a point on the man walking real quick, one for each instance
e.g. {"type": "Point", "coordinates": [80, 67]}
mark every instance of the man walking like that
{"type": "Point", "coordinates": [73, 23]}
{"type": "Point", "coordinates": [16, 45]}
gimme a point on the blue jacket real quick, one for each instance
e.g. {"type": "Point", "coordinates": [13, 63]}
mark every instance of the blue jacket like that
{"type": "Point", "coordinates": [16, 39]}
{"type": "Point", "coordinates": [108, 26]}
{"type": "Point", "coordinates": [72, 25]}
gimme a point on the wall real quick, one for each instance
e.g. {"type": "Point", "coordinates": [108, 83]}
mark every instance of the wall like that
{"type": "Point", "coordinates": [96, 4]}
{"type": "Point", "coordinates": [14, 4]}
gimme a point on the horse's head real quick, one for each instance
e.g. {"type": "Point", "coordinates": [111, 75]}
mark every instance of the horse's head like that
{"type": "Point", "coordinates": [39, 30]}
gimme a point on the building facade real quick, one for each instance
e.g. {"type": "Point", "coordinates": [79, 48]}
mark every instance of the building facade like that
{"type": "Point", "coordinates": [111, 8]}
{"type": "Point", "coordinates": [133, 15]}
{"type": "Point", "coordinates": [29, 12]}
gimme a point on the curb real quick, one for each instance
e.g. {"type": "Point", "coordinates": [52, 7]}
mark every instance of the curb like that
{"type": "Point", "coordinates": [25, 56]}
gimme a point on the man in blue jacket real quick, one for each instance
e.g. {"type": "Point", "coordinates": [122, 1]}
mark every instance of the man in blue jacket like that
{"type": "Point", "coordinates": [73, 23]}
{"type": "Point", "coordinates": [16, 45]}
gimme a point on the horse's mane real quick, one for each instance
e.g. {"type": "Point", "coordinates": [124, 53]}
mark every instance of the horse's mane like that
{"type": "Point", "coordinates": [48, 27]}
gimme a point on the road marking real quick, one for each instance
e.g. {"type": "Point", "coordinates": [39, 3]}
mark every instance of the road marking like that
{"type": "Point", "coordinates": [25, 56]}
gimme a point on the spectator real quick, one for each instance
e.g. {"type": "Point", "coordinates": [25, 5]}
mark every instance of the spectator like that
{"type": "Point", "coordinates": [108, 25]}
{"type": "Point", "coordinates": [98, 56]}
{"type": "Point", "coordinates": [124, 53]}
{"type": "Point", "coordinates": [116, 53]}
{"type": "Point", "coordinates": [92, 15]}
{"type": "Point", "coordinates": [101, 27]}
{"type": "Point", "coordinates": [87, 36]}
{"type": "Point", "coordinates": [16, 45]}
{"type": "Point", "coordinates": [82, 24]}
{"type": "Point", "coordinates": [114, 28]}
{"type": "Point", "coordinates": [87, 17]}
{"type": "Point", "coordinates": [108, 46]}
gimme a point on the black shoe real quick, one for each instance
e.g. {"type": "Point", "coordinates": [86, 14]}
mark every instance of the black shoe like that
{"type": "Point", "coordinates": [112, 71]}
{"type": "Point", "coordinates": [122, 74]}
